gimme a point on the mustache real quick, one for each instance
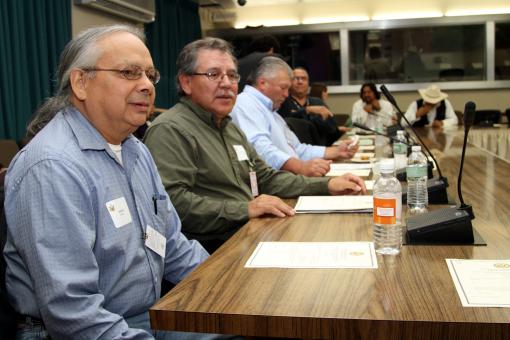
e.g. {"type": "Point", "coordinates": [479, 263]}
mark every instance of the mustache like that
{"type": "Point", "coordinates": [226, 93]}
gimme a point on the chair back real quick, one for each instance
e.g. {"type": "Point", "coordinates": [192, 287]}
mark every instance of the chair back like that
{"type": "Point", "coordinates": [487, 118]}
{"type": "Point", "coordinates": [7, 313]}
{"type": "Point", "coordinates": [305, 131]}
{"type": "Point", "coordinates": [8, 149]}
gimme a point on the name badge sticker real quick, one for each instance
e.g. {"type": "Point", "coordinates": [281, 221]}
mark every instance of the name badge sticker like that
{"type": "Point", "coordinates": [119, 212]}
{"type": "Point", "coordinates": [241, 153]}
{"type": "Point", "coordinates": [253, 184]}
{"type": "Point", "coordinates": [155, 241]}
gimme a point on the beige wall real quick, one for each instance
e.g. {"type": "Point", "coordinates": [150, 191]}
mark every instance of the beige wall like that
{"type": "Point", "coordinates": [485, 99]}
{"type": "Point", "coordinates": [83, 18]}
{"type": "Point", "coordinates": [320, 11]}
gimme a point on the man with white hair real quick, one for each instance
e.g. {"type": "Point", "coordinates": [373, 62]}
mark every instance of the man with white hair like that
{"type": "Point", "coordinates": [91, 232]}
{"type": "Point", "coordinates": [256, 115]}
{"type": "Point", "coordinates": [432, 109]}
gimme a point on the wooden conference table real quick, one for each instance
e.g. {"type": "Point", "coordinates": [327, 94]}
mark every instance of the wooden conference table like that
{"type": "Point", "coordinates": [410, 296]}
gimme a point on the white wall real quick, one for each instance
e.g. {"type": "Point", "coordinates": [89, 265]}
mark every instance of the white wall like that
{"type": "Point", "coordinates": [83, 18]}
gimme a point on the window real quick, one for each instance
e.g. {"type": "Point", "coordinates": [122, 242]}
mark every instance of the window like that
{"type": "Point", "coordinates": [418, 54]}
{"type": "Point", "coordinates": [502, 54]}
{"type": "Point", "coordinates": [456, 51]}
{"type": "Point", "coordinates": [318, 52]}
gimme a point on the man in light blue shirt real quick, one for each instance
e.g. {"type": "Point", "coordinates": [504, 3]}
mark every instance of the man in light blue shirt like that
{"type": "Point", "coordinates": [91, 230]}
{"type": "Point", "coordinates": [255, 113]}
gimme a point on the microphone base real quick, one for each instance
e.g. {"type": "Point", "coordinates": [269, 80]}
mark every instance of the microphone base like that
{"type": "Point", "coordinates": [443, 226]}
{"type": "Point", "coordinates": [436, 189]}
{"type": "Point", "coordinates": [392, 130]}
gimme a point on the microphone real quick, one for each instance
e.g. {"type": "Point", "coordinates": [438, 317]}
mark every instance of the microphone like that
{"type": "Point", "coordinates": [469, 117]}
{"type": "Point", "coordinates": [449, 225]}
{"type": "Point", "coordinates": [366, 128]}
{"type": "Point", "coordinates": [436, 187]}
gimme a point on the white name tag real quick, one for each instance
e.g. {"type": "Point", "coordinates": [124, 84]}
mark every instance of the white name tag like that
{"type": "Point", "coordinates": [119, 212]}
{"type": "Point", "coordinates": [155, 241]}
{"type": "Point", "coordinates": [241, 153]}
{"type": "Point", "coordinates": [253, 184]}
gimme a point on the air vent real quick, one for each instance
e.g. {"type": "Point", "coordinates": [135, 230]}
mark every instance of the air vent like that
{"type": "Point", "coordinates": [137, 10]}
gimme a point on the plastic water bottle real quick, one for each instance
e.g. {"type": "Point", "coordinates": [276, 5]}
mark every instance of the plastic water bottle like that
{"type": "Point", "coordinates": [416, 172]}
{"type": "Point", "coordinates": [387, 211]}
{"type": "Point", "coordinates": [400, 150]}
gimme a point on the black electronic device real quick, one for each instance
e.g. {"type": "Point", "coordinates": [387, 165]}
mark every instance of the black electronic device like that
{"type": "Point", "coordinates": [438, 187]}
{"type": "Point", "coordinates": [435, 192]}
{"type": "Point", "coordinates": [372, 131]}
{"type": "Point", "coordinates": [448, 225]}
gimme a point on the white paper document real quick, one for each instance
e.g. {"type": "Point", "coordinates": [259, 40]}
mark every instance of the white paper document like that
{"type": "Point", "coordinates": [369, 184]}
{"type": "Point", "coordinates": [357, 172]}
{"type": "Point", "coordinates": [328, 204]}
{"type": "Point", "coordinates": [366, 148]}
{"type": "Point", "coordinates": [365, 142]}
{"type": "Point", "coordinates": [364, 155]}
{"type": "Point", "coordinates": [481, 283]}
{"type": "Point", "coordinates": [349, 166]}
{"type": "Point", "coordinates": [313, 255]}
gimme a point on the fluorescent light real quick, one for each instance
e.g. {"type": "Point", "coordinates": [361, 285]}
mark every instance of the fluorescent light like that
{"type": "Point", "coordinates": [323, 20]}
{"type": "Point", "coordinates": [484, 11]}
{"type": "Point", "coordinates": [406, 15]}
{"type": "Point", "coordinates": [267, 23]}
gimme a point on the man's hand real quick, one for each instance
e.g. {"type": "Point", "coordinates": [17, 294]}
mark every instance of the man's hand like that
{"type": "Point", "coordinates": [341, 151]}
{"type": "Point", "coordinates": [316, 167]}
{"type": "Point", "coordinates": [319, 110]}
{"type": "Point", "coordinates": [266, 204]}
{"type": "Point", "coordinates": [347, 184]}
{"type": "Point", "coordinates": [422, 111]}
{"type": "Point", "coordinates": [368, 108]}
{"type": "Point", "coordinates": [437, 123]}
{"type": "Point", "coordinates": [375, 105]}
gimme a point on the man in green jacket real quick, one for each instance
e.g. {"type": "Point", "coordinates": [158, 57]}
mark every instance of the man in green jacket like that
{"type": "Point", "coordinates": [215, 179]}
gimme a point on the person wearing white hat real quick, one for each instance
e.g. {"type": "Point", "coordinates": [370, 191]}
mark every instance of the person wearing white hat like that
{"type": "Point", "coordinates": [432, 109]}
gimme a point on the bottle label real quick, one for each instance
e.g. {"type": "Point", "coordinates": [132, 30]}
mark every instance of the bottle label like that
{"type": "Point", "coordinates": [385, 210]}
{"type": "Point", "coordinates": [399, 148]}
{"type": "Point", "coordinates": [416, 171]}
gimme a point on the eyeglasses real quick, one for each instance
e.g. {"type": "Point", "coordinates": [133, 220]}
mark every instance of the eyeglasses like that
{"type": "Point", "coordinates": [132, 73]}
{"type": "Point", "coordinates": [215, 75]}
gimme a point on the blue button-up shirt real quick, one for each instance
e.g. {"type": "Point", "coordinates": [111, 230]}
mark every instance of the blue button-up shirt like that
{"type": "Point", "coordinates": [267, 131]}
{"type": "Point", "coordinates": [67, 262]}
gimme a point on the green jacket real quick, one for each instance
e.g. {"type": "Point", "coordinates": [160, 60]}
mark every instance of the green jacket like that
{"type": "Point", "coordinates": [208, 186]}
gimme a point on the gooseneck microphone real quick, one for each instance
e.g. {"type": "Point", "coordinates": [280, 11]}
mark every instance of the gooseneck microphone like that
{"type": "Point", "coordinates": [448, 225]}
{"type": "Point", "coordinates": [393, 102]}
{"type": "Point", "coordinates": [469, 117]}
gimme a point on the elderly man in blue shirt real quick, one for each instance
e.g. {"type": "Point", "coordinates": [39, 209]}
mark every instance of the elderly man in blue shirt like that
{"type": "Point", "coordinates": [255, 114]}
{"type": "Point", "coordinates": [91, 230]}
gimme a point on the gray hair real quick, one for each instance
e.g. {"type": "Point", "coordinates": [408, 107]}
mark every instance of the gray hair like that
{"type": "Point", "coordinates": [187, 59]}
{"type": "Point", "coordinates": [81, 52]}
{"type": "Point", "coordinates": [267, 68]}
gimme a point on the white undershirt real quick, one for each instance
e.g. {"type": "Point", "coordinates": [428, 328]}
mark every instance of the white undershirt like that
{"type": "Point", "coordinates": [117, 150]}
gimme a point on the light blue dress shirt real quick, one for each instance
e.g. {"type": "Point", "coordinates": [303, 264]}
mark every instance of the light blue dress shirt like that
{"type": "Point", "coordinates": [267, 131]}
{"type": "Point", "coordinates": [67, 262]}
